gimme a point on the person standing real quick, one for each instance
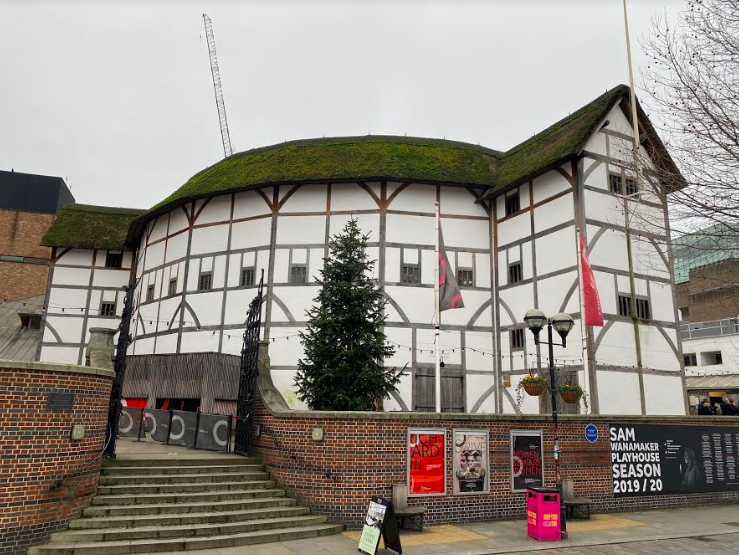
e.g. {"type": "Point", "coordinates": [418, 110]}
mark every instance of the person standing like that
{"type": "Point", "coordinates": [704, 409]}
{"type": "Point", "coordinates": [727, 409]}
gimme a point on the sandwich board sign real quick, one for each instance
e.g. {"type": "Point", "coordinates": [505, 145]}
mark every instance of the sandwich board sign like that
{"type": "Point", "coordinates": [380, 521]}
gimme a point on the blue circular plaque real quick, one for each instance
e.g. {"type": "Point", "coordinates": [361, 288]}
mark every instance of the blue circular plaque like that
{"type": "Point", "coordinates": [591, 433]}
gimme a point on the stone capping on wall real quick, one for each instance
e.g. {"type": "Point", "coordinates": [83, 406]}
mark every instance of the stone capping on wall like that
{"type": "Point", "coordinates": [55, 367]}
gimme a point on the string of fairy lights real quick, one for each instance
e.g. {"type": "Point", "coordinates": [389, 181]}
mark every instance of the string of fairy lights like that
{"type": "Point", "coordinates": [420, 348]}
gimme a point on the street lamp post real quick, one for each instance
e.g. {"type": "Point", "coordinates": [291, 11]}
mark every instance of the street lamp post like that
{"type": "Point", "coordinates": [536, 320]}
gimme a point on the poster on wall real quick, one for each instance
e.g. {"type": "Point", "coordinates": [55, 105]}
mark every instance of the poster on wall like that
{"type": "Point", "coordinates": [471, 463]}
{"type": "Point", "coordinates": [652, 459]}
{"type": "Point", "coordinates": [426, 462]}
{"type": "Point", "coordinates": [527, 460]}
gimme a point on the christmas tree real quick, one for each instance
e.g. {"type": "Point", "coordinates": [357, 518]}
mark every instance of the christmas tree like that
{"type": "Point", "coordinates": [345, 348]}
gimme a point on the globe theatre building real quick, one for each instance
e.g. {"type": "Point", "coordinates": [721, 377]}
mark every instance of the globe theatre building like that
{"type": "Point", "coordinates": [508, 219]}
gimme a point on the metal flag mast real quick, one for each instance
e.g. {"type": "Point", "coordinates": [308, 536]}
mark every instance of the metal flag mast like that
{"type": "Point", "coordinates": [437, 315]}
{"type": "Point", "coordinates": [627, 210]}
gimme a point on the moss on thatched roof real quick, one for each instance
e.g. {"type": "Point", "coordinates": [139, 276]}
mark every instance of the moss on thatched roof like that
{"type": "Point", "coordinates": [341, 158]}
{"type": "Point", "coordinates": [84, 226]}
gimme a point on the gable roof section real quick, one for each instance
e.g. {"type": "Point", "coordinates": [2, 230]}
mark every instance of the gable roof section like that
{"type": "Point", "coordinates": [84, 226]}
{"type": "Point", "coordinates": [17, 342]}
{"type": "Point", "coordinates": [557, 143]}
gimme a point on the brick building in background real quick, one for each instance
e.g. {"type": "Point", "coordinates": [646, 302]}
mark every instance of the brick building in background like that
{"type": "Point", "coordinates": [707, 289]}
{"type": "Point", "coordinates": [28, 205]}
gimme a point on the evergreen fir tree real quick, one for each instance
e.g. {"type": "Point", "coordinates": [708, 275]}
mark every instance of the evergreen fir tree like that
{"type": "Point", "coordinates": [345, 349]}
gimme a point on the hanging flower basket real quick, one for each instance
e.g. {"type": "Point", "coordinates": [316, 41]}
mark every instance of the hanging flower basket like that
{"type": "Point", "coordinates": [571, 393]}
{"type": "Point", "coordinates": [534, 385]}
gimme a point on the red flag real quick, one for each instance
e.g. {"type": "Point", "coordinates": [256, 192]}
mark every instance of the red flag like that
{"type": "Point", "coordinates": [591, 300]}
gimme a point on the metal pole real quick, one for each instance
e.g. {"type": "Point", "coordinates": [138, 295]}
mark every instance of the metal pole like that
{"type": "Point", "coordinates": [437, 316]}
{"type": "Point", "coordinates": [632, 286]}
{"type": "Point", "coordinates": [553, 388]}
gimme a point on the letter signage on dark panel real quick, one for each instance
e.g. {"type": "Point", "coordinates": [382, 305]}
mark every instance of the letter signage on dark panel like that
{"type": "Point", "coordinates": [651, 459]}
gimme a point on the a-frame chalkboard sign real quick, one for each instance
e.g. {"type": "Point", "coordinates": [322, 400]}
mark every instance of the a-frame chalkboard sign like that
{"type": "Point", "coordinates": [380, 520]}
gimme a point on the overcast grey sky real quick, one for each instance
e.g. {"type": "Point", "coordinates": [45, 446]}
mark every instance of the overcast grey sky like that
{"type": "Point", "coordinates": [117, 98]}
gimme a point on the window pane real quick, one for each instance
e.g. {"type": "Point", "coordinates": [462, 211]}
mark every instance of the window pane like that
{"type": "Point", "coordinates": [631, 187]}
{"type": "Point", "coordinates": [205, 282]}
{"type": "Point", "coordinates": [512, 204]}
{"type": "Point", "coordinates": [515, 273]}
{"type": "Point", "coordinates": [247, 276]}
{"type": "Point", "coordinates": [113, 260]}
{"type": "Point", "coordinates": [465, 277]}
{"type": "Point", "coordinates": [614, 183]}
{"type": "Point", "coordinates": [410, 274]}
{"type": "Point", "coordinates": [107, 309]}
{"type": "Point", "coordinates": [172, 286]}
{"type": "Point", "coordinates": [150, 293]}
{"type": "Point", "coordinates": [518, 339]}
{"type": "Point", "coordinates": [298, 274]}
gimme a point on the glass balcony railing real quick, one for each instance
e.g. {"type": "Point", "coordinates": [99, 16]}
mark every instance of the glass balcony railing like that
{"type": "Point", "coordinates": [714, 328]}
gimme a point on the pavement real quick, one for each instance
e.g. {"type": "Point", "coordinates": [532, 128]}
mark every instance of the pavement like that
{"type": "Point", "coordinates": [668, 532]}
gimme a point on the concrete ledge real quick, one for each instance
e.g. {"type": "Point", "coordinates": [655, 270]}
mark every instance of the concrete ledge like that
{"type": "Point", "coordinates": [55, 367]}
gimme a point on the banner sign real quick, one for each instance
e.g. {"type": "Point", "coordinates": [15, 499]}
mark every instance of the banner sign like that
{"type": "Point", "coordinates": [471, 461]}
{"type": "Point", "coordinates": [650, 459]}
{"type": "Point", "coordinates": [426, 462]}
{"type": "Point", "coordinates": [527, 460]}
{"type": "Point", "coordinates": [380, 521]}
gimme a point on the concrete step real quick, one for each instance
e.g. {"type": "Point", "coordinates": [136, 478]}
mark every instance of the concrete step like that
{"type": "Point", "coordinates": [178, 508]}
{"type": "Point", "coordinates": [139, 521]}
{"type": "Point", "coordinates": [185, 487]}
{"type": "Point", "coordinates": [153, 498]}
{"type": "Point", "coordinates": [185, 531]}
{"type": "Point", "coordinates": [213, 460]}
{"type": "Point", "coordinates": [181, 544]}
{"type": "Point", "coordinates": [190, 469]}
{"type": "Point", "coordinates": [182, 478]}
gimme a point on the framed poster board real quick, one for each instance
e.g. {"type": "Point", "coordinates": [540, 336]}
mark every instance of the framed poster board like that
{"type": "Point", "coordinates": [527, 459]}
{"type": "Point", "coordinates": [426, 454]}
{"type": "Point", "coordinates": [379, 521]}
{"type": "Point", "coordinates": [654, 459]}
{"type": "Point", "coordinates": [471, 462]}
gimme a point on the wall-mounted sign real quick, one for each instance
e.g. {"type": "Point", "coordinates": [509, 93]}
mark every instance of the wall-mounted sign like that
{"type": "Point", "coordinates": [527, 460]}
{"type": "Point", "coordinates": [426, 462]}
{"type": "Point", "coordinates": [471, 461]}
{"type": "Point", "coordinates": [591, 433]}
{"type": "Point", "coordinates": [650, 459]}
{"type": "Point", "coordinates": [380, 521]}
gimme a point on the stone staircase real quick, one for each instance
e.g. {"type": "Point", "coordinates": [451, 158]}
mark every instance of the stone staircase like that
{"type": "Point", "coordinates": [159, 505]}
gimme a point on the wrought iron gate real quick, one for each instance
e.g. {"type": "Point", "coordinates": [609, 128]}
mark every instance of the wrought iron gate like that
{"type": "Point", "coordinates": [248, 374]}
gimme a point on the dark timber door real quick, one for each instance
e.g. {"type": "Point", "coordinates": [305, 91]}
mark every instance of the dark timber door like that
{"type": "Point", "coordinates": [248, 374]}
{"type": "Point", "coordinates": [452, 389]}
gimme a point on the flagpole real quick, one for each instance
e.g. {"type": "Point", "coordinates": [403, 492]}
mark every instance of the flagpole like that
{"type": "Point", "coordinates": [583, 324]}
{"type": "Point", "coordinates": [627, 216]}
{"type": "Point", "coordinates": [437, 316]}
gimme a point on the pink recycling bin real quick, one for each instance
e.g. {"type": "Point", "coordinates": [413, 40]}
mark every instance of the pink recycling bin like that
{"type": "Point", "coordinates": [542, 513]}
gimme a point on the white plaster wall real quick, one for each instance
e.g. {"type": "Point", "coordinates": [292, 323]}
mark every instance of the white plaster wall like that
{"type": "Point", "coordinates": [71, 276]}
{"type": "Point", "coordinates": [218, 209]}
{"type": "Point", "coordinates": [554, 213]}
{"type": "Point", "coordinates": [205, 238]}
{"type": "Point", "coordinates": [618, 393]}
{"type": "Point", "coordinates": [556, 251]}
{"type": "Point", "coordinates": [158, 228]}
{"type": "Point", "coordinates": [75, 257]}
{"type": "Point", "coordinates": [301, 230]}
{"type": "Point", "coordinates": [664, 394]}
{"type": "Point", "coordinates": [514, 229]}
{"type": "Point", "coordinates": [616, 347]}
{"type": "Point", "coordinates": [416, 197]}
{"type": "Point", "coordinates": [308, 198]}
{"type": "Point", "coordinates": [728, 345]}
{"type": "Point", "coordinates": [249, 204]}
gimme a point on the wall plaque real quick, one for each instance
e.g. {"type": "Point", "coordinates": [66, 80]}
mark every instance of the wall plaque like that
{"type": "Point", "coordinates": [59, 401]}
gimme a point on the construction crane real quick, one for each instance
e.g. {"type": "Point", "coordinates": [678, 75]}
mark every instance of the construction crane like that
{"type": "Point", "coordinates": [217, 88]}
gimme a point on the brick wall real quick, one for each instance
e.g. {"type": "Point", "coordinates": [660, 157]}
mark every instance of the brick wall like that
{"type": "Point", "coordinates": [20, 235]}
{"type": "Point", "coordinates": [365, 453]}
{"type": "Point", "coordinates": [712, 292]}
{"type": "Point", "coordinates": [36, 448]}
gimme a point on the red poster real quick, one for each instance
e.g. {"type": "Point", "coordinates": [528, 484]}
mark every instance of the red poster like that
{"type": "Point", "coordinates": [426, 462]}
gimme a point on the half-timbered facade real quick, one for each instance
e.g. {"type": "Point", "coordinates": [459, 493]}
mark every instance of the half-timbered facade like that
{"type": "Point", "coordinates": [509, 222]}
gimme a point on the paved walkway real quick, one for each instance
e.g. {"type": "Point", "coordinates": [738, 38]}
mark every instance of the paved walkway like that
{"type": "Point", "coordinates": [127, 448]}
{"type": "Point", "coordinates": [678, 531]}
